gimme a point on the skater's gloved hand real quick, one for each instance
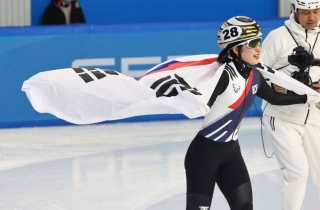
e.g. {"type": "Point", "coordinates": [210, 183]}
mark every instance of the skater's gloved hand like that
{"type": "Point", "coordinates": [207, 109]}
{"type": "Point", "coordinates": [313, 99]}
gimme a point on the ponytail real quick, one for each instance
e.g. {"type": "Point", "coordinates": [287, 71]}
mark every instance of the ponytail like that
{"type": "Point", "coordinates": [223, 56]}
{"type": "Point", "coordinates": [227, 55]}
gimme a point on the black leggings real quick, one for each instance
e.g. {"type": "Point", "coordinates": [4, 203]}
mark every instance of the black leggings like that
{"type": "Point", "coordinates": [208, 162]}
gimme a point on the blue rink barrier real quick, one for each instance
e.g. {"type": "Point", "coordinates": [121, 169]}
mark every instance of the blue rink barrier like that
{"type": "Point", "coordinates": [142, 11]}
{"type": "Point", "coordinates": [26, 51]}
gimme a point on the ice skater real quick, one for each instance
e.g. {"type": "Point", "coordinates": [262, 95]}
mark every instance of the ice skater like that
{"type": "Point", "coordinates": [214, 154]}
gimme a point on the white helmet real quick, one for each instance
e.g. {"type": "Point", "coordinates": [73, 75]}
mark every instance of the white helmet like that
{"type": "Point", "coordinates": [237, 29]}
{"type": "Point", "coordinates": [305, 4]}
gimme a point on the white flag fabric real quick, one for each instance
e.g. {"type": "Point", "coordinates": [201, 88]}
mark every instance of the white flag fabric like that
{"type": "Point", "coordinates": [178, 86]}
{"type": "Point", "coordinates": [84, 96]}
{"type": "Point", "coordinates": [281, 79]}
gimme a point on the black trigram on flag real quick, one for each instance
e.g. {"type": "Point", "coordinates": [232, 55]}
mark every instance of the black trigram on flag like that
{"type": "Point", "coordinates": [168, 86]}
{"type": "Point", "coordinates": [98, 73]}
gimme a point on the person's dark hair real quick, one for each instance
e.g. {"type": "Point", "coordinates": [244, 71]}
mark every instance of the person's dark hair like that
{"type": "Point", "coordinates": [223, 56]}
{"type": "Point", "coordinates": [226, 53]}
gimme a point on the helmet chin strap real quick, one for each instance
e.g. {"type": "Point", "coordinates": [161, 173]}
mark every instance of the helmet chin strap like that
{"type": "Point", "coordinates": [295, 16]}
{"type": "Point", "coordinates": [239, 59]}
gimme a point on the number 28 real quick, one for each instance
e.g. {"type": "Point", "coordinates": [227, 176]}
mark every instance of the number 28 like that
{"type": "Point", "coordinates": [230, 33]}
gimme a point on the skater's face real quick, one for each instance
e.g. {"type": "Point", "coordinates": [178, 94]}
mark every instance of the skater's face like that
{"type": "Point", "coordinates": [250, 51]}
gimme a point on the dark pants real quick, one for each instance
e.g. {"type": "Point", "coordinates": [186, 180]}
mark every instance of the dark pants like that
{"type": "Point", "coordinates": [208, 162]}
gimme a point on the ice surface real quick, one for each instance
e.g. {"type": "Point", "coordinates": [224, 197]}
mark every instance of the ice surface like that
{"type": "Point", "coordinates": [123, 166]}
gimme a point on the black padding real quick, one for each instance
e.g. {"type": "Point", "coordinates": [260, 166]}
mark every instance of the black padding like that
{"type": "Point", "coordinates": [247, 206]}
{"type": "Point", "coordinates": [241, 198]}
{"type": "Point", "coordinates": [196, 202]}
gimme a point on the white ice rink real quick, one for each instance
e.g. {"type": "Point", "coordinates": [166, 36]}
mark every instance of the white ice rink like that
{"type": "Point", "coordinates": [121, 166]}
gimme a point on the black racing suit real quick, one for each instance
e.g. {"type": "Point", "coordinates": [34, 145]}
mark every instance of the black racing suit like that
{"type": "Point", "coordinates": [208, 162]}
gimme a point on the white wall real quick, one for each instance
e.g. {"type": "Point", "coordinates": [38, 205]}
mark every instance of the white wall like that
{"type": "Point", "coordinates": [284, 8]}
{"type": "Point", "coordinates": [15, 12]}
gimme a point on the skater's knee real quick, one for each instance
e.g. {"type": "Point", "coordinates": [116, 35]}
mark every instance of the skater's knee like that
{"type": "Point", "coordinates": [241, 198]}
{"type": "Point", "coordinates": [247, 206]}
{"type": "Point", "coordinates": [196, 202]}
